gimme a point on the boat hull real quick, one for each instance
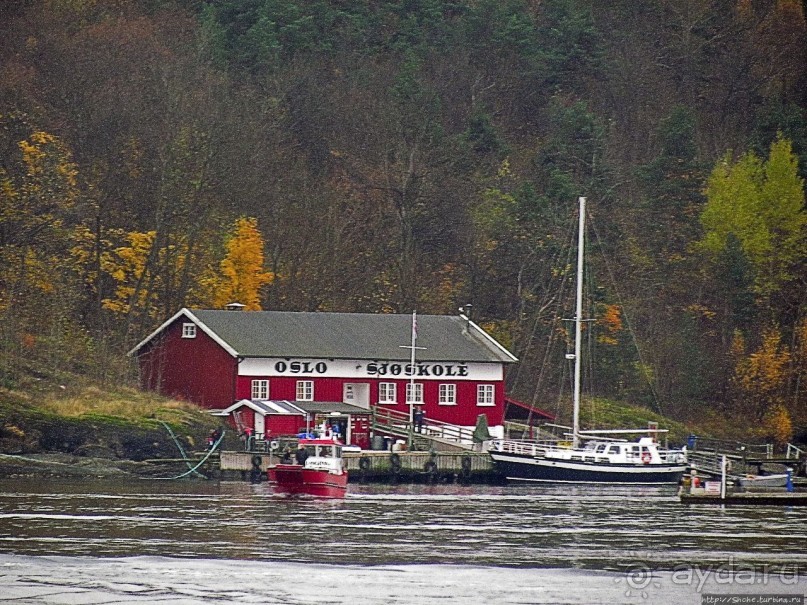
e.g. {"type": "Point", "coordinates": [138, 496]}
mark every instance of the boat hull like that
{"type": "Point", "coordinates": [517, 467]}
{"type": "Point", "coordinates": [295, 480]}
{"type": "Point", "coordinates": [763, 481]}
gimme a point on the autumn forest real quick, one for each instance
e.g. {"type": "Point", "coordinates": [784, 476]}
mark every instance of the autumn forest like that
{"type": "Point", "coordinates": [386, 156]}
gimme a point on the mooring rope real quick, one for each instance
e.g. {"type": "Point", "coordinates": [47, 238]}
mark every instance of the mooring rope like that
{"type": "Point", "coordinates": [180, 448]}
{"type": "Point", "coordinates": [36, 460]}
{"type": "Point", "coordinates": [182, 451]}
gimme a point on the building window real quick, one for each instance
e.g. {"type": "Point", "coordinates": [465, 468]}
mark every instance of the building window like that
{"type": "Point", "coordinates": [448, 394]}
{"type": "Point", "coordinates": [305, 390]}
{"type": "Point", "coordinates": [417, 395]}
{"type": "Point", "coordinates": [387, 392]}
{"type": "Point", "coordinates": [484, 394]}
{"type": "Point", "coordinates": [260, 389]}
{"type": "Point", "coordinates": [188, 330]}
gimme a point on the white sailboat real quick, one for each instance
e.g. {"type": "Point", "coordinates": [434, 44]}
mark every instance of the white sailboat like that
{"type": "Point", "coordinates": [607, 460]}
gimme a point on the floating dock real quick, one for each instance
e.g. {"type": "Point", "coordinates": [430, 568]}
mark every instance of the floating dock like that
{"type": "Point", "coordinates": [752, 498]}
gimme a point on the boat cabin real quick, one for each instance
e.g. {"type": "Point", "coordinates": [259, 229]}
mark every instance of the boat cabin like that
{"type": "Point", "coordinates": [645, 451]}
{"type": "Point", "coordinates": [322, 455]}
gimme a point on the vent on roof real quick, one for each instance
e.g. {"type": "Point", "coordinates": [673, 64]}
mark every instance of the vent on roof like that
{"type": "Point", "coordinates": [465, 313]}
{"type": "Point", "coordinates": [234, 306]}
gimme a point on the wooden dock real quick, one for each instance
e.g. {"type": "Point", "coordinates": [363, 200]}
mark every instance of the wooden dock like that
{"type": "Point", "coordinates": [374, 465]}
{"type": "Point", "coordinates": [749, 498]}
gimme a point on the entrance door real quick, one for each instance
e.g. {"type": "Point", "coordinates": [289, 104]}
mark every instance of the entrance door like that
{"type": "Point", "coordinates": [260, 425]}
{"type": "Point", "coordinates": [357, 393]}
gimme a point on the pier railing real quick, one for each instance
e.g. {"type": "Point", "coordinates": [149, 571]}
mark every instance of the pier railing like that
{"type": "Point", "coordinates": [450, 432]}
{"type": "Point", "coordinates": [794, 453]}
{"type": "Point", "coordinates": [390, 422]}
{"type": "Point", "coordinates": [523, 447]}
{"type": "Point", "coordinates": [432, 435]}
{"type": "Point", "coordinates": [733, 448]}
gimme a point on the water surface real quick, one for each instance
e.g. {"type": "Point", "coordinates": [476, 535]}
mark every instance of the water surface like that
{"type": "Point", "coordinates": [618, 544]}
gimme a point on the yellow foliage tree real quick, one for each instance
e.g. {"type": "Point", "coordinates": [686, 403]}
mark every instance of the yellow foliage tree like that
{"type": "Point", "coordinates": [242, 273]}
{"type": "Point", "coordinates": [127, 266]}
{"type": "Point", "coordinates": [776, 425]}
{"type": "Point", "coordinates": [611, 322]}
{"type": "Point", "coordinates": [37, 192]}
{"type": "Point", "coordinates": [761, 378]}
{"type": "Point", "coordinates": [141, 274]}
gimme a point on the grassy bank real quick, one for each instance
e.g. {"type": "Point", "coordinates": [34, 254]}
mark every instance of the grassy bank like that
{"type": "Point", "coordinates": [598, 413]}
{"type": "Point", "coordinates": [72, 416]}
{"type": "Point", "coordinates": [608, 414]}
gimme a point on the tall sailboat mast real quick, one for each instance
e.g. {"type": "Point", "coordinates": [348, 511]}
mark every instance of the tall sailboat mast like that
{"type": "Point", "coordinates": [615, 462]}
{"type": "Point", "coordinates": [578, 322]}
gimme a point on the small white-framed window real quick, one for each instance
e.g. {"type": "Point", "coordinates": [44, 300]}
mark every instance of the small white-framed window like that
{"type": "Point", "coordinates": [416, 395]}
{"type": "Point", "coordinates": [188, 330]}
{"type": "Point", "coordinates": [448, 394]}
{"type": "Point", "coordinates": [387, 392]}
{"type": "Point", "coordinates": [260, 389]}
{"type": "Point", "coordinates": [305, 390]}
{"type": "Point", "coordinates": [484, 394]}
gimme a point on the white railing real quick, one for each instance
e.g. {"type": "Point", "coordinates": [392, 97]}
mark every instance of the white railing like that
{"type": "Point", "coordinates": [673, 456]}
{"type": "Point", "coordinates": [444, 430]}
{"type": "Point", "coordinates": [538, 449]}
{"type": "Point", "coordinates": [795, 452]}
{"type": "Point", "coordinates": [397, 423]}
{"type": "Point", "coordinates": [513, 446]}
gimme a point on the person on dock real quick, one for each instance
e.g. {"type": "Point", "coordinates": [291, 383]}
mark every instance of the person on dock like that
{"type": "Point", "coordinates": [419, 416]}
{"type": "Point", "coordinates": [246, 437]}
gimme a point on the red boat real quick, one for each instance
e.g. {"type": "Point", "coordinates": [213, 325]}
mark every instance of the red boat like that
{"type": "Point", "coordinates": [318, 472]}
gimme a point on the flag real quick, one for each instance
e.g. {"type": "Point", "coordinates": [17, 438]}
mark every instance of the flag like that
{"type": "Point", "coordinates": [414, 325]}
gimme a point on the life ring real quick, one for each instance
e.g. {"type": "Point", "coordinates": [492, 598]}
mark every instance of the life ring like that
{"type": "Point", "coordinates": [395, 462]}
{"type": "Point", "coordinates": [430, 467]}
{"type": "Point", "coordinates": [646, 458]}
{"type": "Point", "coordinates": [364, 463]}
{"type": "Point", "coordinates": [274, 445]}
{"type": "Point", "coordinates": [256, 474]}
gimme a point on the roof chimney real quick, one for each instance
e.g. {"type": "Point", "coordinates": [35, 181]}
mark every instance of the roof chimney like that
{"type": "Point", "coordinates": [234, 306]}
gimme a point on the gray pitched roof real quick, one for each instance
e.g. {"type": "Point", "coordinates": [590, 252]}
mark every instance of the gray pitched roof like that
{"type": "Point", "coordinates": [276, 406]}
{"type": "Point", "coordinates": [347, 336]}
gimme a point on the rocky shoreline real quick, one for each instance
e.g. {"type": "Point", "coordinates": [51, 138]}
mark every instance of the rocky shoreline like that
{"type": "Point", "coordinates": [59, 465]}
{"type": "Point", "coordinates": [34, 444]}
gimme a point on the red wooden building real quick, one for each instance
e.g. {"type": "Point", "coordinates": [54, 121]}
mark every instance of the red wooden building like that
{"type": "Point", "coordinates": [217, 358]}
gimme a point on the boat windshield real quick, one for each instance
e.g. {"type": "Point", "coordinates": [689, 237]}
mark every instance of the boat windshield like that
{"type": "Point", "coordinates": [324, 451]}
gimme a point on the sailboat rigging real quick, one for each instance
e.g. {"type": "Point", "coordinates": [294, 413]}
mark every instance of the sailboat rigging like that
{"type": "Point", "coordinates": [611, 461]}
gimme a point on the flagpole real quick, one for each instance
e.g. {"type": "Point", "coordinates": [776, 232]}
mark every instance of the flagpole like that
{"type": "Point", "coordinates": [410, 399]}
{"type": "Point", "coordinates": [412, 376]}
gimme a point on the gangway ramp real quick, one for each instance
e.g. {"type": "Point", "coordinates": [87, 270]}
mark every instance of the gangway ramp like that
{"type": "Point", "coordinates": [433, 435]}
